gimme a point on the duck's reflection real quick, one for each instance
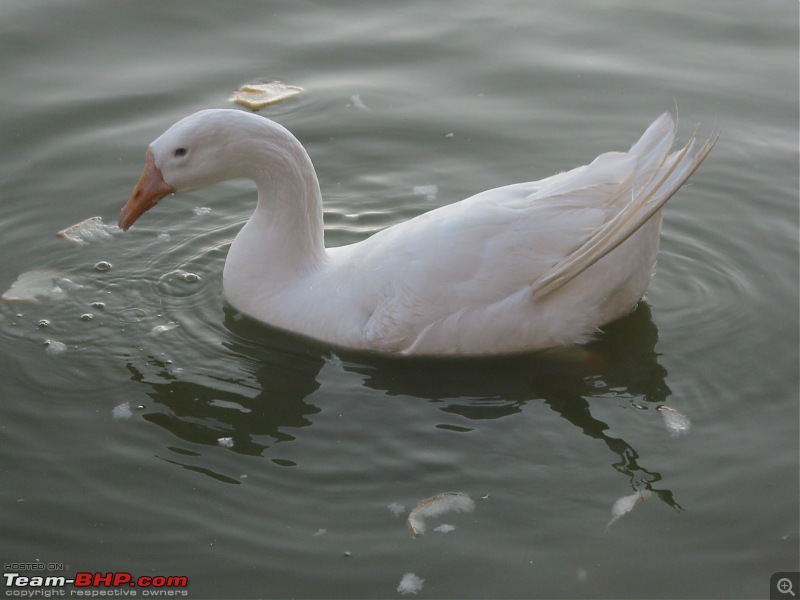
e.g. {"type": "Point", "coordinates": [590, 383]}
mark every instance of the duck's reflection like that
{"type": "Point", "coordinates": [568, 380]}
{"type": "Point", "coordinates": [256, 409]}
{"type": "Point", "coordinates": [268, 402]}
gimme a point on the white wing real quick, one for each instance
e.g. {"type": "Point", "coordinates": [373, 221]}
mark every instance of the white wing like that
{"type": "Point", "coordinates": [656, 182]}
{"type": "Point", "coordinates": [472, 266]}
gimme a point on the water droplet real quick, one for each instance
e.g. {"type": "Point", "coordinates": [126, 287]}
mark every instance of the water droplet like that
{"type": "Point", "coordinates": [179, 283]}
{"type": "Point", "coordinates": [132, 315]}
{"type": "Point", "coordinates": [103, 265]}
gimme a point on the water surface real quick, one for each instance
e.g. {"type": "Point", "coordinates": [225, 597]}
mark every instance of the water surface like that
{"type": "Point", "coordinates": [111, 451]}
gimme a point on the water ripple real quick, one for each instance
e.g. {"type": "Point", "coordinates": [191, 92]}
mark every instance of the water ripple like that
{"type": "Point", "coordinates": [700, 288]}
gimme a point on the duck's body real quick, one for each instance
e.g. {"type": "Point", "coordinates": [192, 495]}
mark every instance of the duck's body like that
{"type": "Point", "coordinates": [517, 268]}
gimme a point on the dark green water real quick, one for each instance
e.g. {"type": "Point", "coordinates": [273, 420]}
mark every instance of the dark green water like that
{"type": "Point", "coordinates": [463, 96]}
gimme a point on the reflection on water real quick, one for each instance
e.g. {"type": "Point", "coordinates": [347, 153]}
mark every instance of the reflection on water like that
{"type": "Point", "coordinates": [280, 371]}
{"type": "Point", "coordinates": [202, 413]}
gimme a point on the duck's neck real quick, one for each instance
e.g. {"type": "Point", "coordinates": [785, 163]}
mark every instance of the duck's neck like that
{"type": "Point", "coordinates": [285, 234]}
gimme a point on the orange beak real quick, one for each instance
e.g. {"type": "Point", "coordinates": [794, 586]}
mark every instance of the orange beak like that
{"type": "Point", "coordinates": [150, 188]}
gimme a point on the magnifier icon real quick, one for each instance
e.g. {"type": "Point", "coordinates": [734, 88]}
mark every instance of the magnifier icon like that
{"type": "Point", "coordinates": [784, 586]}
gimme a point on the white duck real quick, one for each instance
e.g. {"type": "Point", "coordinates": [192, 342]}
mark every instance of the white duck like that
{"type": "Point", "coordinates": [517, 268]}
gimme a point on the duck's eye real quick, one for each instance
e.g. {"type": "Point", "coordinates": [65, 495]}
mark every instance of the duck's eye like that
{"type": "Point", "coordinates": [180, 152]}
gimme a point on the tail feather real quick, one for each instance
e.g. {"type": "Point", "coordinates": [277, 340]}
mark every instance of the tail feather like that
{"type": "Point", "coordinates": [662, 181]}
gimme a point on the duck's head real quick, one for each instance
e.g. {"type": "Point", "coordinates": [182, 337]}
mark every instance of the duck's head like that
{"type": "Point", "coordinates": [194, 153]}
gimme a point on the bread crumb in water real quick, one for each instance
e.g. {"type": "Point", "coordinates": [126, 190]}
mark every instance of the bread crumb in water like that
{"type": "Point", "coordinates": [410, 584]}
{"type": "Point", "coordinates": [256, 96]}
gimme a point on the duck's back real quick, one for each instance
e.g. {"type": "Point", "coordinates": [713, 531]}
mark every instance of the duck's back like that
{"type": "Point", "coordinates": [463, 279]}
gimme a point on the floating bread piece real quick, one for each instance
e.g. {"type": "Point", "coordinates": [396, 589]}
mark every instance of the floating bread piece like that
{"type": "Point", "coordinates": [410, 584]}
{"type": "Point", "coordinates": [122, 411]}
{"type": "Point", "coordinates": [357, 102]}
{"type": "Point", "coordinates": [429, 191]}
{"type": "Point", "coordinates": [90, 230]}
{"type": "Point", "coordinates": [397, 509]}
{"type": "Point", "coordinates": [159, 329]}
{"type": "Point", "coordinates": [31, 286]}
{"type": "Point", "coordinates": [230, 405]}
{"type": "Point", "coordinates": [675, 421]}
{"type": "Point", "coordinates": [256, 96]}
{"type": "Point", "coordinates": [436, 506]}
{"type": "Point", "coordinates": [54, 347]}
{"type": "Point", "coordinates": [626, 504]}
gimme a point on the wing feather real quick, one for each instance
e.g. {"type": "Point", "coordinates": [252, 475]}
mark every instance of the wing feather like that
{"type": "Point", "coordinates": [651, 198]}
